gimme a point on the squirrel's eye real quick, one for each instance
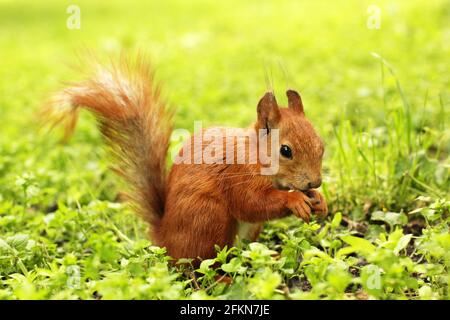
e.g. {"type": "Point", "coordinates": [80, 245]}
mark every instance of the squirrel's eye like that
{"type": "Point", "coordinates": [286, 152]}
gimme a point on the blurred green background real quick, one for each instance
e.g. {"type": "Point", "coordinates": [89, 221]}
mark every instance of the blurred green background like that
{"type": "Point", "coordinates": [213, 56]}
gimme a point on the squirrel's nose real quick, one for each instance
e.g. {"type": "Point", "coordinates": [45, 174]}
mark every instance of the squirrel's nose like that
{"type": "Point", "coordinates": [315, 184]}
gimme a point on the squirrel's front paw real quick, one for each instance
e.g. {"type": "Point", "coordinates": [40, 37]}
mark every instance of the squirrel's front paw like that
{"type": "Point", "coordinates": [318, 203]}
{"type": "Point", "coordinates": [300, 205]}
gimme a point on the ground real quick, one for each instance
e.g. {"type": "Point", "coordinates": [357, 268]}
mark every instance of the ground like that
{"type": "Point", "coordinates": [374, 77]}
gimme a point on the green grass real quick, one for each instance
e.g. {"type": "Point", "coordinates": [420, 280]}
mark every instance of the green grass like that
{"type": "Point", "coordinates": [379, 98]}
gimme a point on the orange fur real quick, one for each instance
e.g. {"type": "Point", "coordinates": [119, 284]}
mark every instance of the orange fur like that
{"type": "Point", "coordinates": [197, 206]}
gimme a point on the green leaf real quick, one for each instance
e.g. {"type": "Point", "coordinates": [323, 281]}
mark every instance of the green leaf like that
{"type": "Point", "coordinates": [359, 244]}
{"type": "Point", "coordinates": [345, 251]}
{"type": "Point", "coordinates": [264, 284]}
{"type": "Point", "coordinates": [205, 264]}
{"type": "Point", "coordinates": [402, 243]}
{"type": "Point", "coordinates": [234, 265]}
{"type": "Point", "coordinates": [338, 278]}
{"type": "Point", "coordinates": [18, 241]}
{"type": "Point", "coordinates": [4, 245]}
{"type": "Point", "coordinates": [391, 218]}
{"type": "Point", "coordinates": [336, 220]}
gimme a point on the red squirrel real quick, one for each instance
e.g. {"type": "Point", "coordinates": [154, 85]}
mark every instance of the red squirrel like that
{"type": "Point", "coordinates": [194, 207]}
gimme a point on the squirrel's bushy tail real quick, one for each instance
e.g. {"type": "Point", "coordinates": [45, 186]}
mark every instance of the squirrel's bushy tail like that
{"type": "Point", "coordinates": [133, 119]}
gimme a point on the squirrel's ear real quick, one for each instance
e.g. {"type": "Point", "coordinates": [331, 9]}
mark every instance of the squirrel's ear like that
{"type": "Point", "coordinates": [268, 111]}
{"type": "Point", "coordinates": [295, 101]}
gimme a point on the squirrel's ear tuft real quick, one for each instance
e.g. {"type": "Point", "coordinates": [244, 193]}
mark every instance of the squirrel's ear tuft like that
{"type": "Point", "coordinates": [295, 101]}
{"type": "Point", "coordinates": [268, 111]}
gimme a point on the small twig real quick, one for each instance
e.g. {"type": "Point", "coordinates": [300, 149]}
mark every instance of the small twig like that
{"type": "Point", "coordinates": [194, 280]}
{"type": "Point", "coordinates": [354, 225]}
{"type": "Point", "coordinates": [215, 282]}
